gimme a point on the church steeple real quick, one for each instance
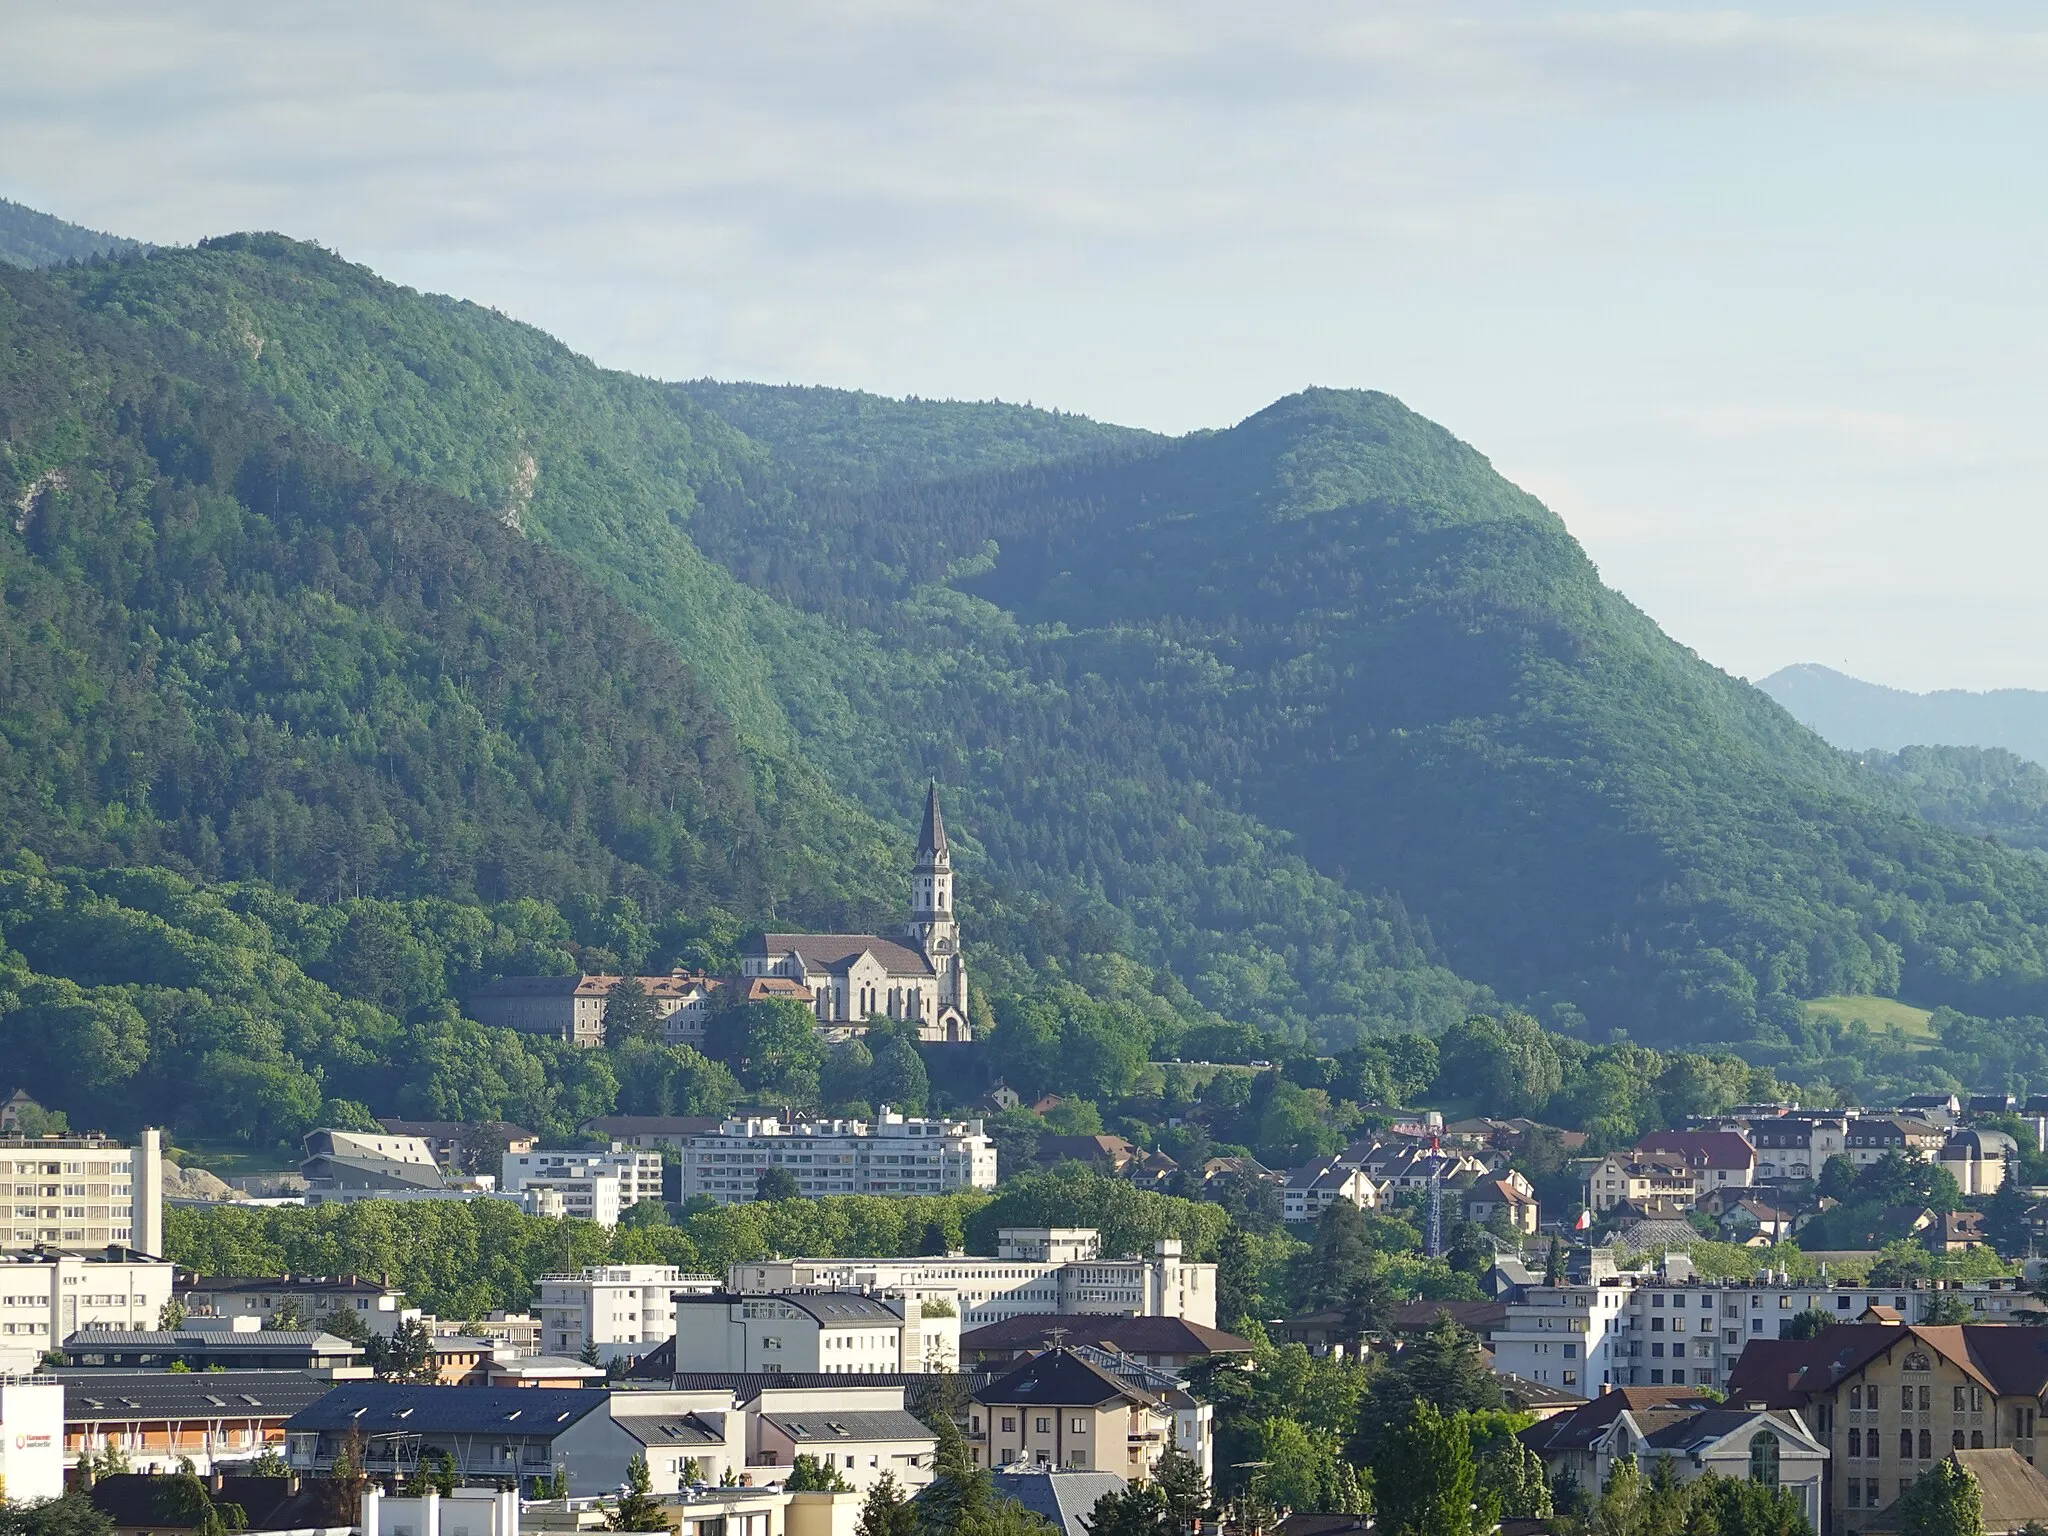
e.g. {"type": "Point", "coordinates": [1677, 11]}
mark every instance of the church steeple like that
{"type": "Point", "coordinates": [931, 842]}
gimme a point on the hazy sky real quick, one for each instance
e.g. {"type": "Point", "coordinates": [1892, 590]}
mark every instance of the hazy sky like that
{"type": "Point", "coordinates": [1754, 299]}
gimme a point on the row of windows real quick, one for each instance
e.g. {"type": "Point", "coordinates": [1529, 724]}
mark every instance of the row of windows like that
{"type": "Point", "coordinates": [1862, 1445]}
{"type": "Point", "coordinates": [1961, 1399]}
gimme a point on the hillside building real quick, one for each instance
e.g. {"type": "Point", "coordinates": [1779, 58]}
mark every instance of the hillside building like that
{"type": "Point", "coordinates": [623, 1310]}
{"type": "Point", "coordinates": [851, 977]}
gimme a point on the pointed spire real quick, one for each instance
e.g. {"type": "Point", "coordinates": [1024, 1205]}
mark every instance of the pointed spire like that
{"type": "Point", "coordinates": [932, 840]}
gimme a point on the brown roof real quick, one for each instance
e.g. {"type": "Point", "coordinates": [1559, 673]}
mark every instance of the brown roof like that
{"type": "Point", "coordinates": [2015, 1491]}
{"type": "Point", "coordinates": [2007, 1361]}
{"type": "Point", "coordinates": [1420, 1316]}
{"type": "Point", "coordinates": [1583, 1425]}
{"type": "Point", "coordinates": [675, 984]}
{"type": "Point", "coordinates": [1119, 1335]}
{"type": "Point", "coordinates": [837, 951]}
{"type": "Point", "coordinates": [1704, 1149]}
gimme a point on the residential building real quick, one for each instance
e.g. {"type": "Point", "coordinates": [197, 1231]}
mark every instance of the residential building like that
{"type": "Point", "coordinates": [1397, 1166]}
{"type": "Point", "coordinates": [82, 1191]}
{"type": "Point", "coordinates": [1756, 1222]}
{"type": "Point", "coordinates": [851, 977]}
{"type": "Point", "coordinates": [592, 1186]}
{"type": "Point", "coordinates": [836, 1333]}
{"type": "Point", "coordinates": [1695, 1436]}
{"type": "Point", "coordinates": [620, 1310]}
{"type": "Point", "coordinates": [1649, 1183]}
{"type": "Point", "coordinates": [1665, 1327]}
{"type": "Point", "coordinates": [46, 1297]}
{"type": "Point", "coordinates": [1718, 1159]}
{"type": "Point", "coordinates": [1794, 1147]}
{"type": "Point", "coordinates": [493, 1434]}
{"type": "Point", "coordinates": [1036, 1271]}
{"type": "Point", "coordinates": [1110, 1154]}
{"type": "Point", "coordinates": [1169, 1343]}
{"type": "Point", "coordinates": [691, 1436]}
{"type": "Point", "coordinates": [1870, 1137]}
{"type": "Point", "coordinates": [1574, 1443]}
{"type": "Point", "coordinates": [1060, 1410]}
{"type": "Point", "coordinates": [520, 1332]}
{"type": "Point", "coordinates": [861, 1444]}
{"type": "Point", "coordinates": [232, 1344]}
{"type": "Point", "coordinates": [459, 1512]}
{"type": "Point", "coordinates": [1510, 1198]}
{"type": "Point", "coordinates": [1314, 1187]}
{"type": "Point", "coordinates": [571, 1008]}
{"type": "Point", "coordinates": [1194, 1421]}
{"type": "Point", "coordinates": [892, 1154]}
{"type": "Point", "coordinates": [156, 1419]}
{"type": "Point", "coordinates": [365, 1163]}
{"type": "Point", "coordinates": [379, 1307]}
{"type": "Point", "coordinates": [472, 1360]}
{"type": "Point", "coordinates": [1892, 1398]}
{"type": "Point", "coordinates": [1936, 1109]}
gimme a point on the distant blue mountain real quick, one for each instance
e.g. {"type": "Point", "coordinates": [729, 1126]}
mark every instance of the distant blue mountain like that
{"type": "Point", "coordinates": [31, 239]}
{"type": "Point", "coordinates": [1858, 716]}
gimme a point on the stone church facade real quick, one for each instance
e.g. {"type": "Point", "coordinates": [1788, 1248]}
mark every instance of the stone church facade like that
{"type": "Point", "coordinates": [919, 975]}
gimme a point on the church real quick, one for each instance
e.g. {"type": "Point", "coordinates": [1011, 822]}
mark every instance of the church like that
{"type": "Point", "coordinates": [852, 976]}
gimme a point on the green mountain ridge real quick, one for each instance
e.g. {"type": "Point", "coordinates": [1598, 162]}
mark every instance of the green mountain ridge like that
{"type": "Point", "coordinates": [1317, 712]}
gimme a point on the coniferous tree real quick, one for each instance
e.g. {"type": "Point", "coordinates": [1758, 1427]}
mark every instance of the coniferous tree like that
{"type": "Point", "coordinates": [887, 1511]}
{"type": "Point", "coordinates": [1424, 1479]}
{"type": "Point", "coordinates": [630, 1014]}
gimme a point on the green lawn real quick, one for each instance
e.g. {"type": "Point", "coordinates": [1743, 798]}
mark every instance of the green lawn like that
{"type": "Point", "coordinates": [230, 1160]}
{"type": "Point", "coordinates": [1880, 1013]}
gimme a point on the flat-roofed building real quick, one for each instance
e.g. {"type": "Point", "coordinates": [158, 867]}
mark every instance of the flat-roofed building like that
{"type": "Point", "coordinates": [82, 1191]}
{"type": "Point", "coordinates": [891, 1154]}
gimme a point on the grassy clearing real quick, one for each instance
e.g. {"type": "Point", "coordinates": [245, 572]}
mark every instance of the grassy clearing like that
{"type": "Point", "coordinates": [1879, 1013]}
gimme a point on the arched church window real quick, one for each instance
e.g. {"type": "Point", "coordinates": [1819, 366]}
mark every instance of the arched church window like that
{"type": "Point", "coordinates": [1763, 1458]}
{"type": "Point", "coordinates": [1918, 1361]}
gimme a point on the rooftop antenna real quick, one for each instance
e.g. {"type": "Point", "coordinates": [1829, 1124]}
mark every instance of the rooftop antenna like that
{"type": "Point", "coordinates": [1435, 1248]}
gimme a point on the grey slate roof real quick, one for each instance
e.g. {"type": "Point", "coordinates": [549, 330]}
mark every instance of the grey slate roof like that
{"type": "Point", "coordinates": [669, 1429]}
{"type": "Point", "coordinates": [925, 1391]}
{"type": "Point", "coordinates": [831, 1308]}
{"type": "Point", "coordinates": [837, 951]}
{"type": "Point", "coordinates": [828, 1425]}
{"type": "Point", "coordinates": [90, 1395]}
{"type": "Point", "coordinates": [379, 1407]}
{"type": "Point", "coordinates": [1064, 1498]}
{"type": "Point", "coordinates": [212, 1340]}
{"type": "Point", "coordinates": [1061, 1377]}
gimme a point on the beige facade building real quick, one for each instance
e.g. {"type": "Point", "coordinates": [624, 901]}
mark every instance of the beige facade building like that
{"type": "Point", "coordinates": [1060, 1410]}
{"type": "Point", "coordinates": [84, 1191]}
{"type": "Point", "coordinates": [571, 1008]}
{"type": "Point", "coordinates": [1891, 1399]}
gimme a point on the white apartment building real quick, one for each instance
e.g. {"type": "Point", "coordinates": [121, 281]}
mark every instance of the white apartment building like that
{"type": "Point", "coordinates": [890, 1155]}
{"type": "Point", "coordinates": [1036, 1270]}
{"type": "Point", "coordinates": [47, 1297]}
{"type": "Point", "coordinates": [1666, 1327]}
{"type": "Point", "coordinates": [834, 1333]}
{"type": "Point", "coordinates": [84, 1191]}
{"type": "Point", "coordinates": [592, 1186]}
{"type": "Point", "coordinates": [623, 1309]}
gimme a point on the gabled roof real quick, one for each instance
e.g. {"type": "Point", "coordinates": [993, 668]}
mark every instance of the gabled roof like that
{"type": "Point", "coordinates": [1782, 1373]}
{"type": "Point", "coordinates": [1695, 1432]}
{"type": "Point", "coordinates": [1064, 1498]}
{"type": "Point", "coordinates": [1580, 1428]}
{"type": "Point", "coordinates": [1126, 1335]}
{"type": "Point", "coordinates": [837, 951]}
{"type": "Point", "coordinates": [145, 1500]}
{"type": "Point", "coordinates": [379, 1407]}
{"type": "Point", "coordinates": [1062, 1378]}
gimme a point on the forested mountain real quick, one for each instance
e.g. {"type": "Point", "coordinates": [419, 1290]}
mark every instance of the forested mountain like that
{"type": "Point", "coordinates": [1859, 716]}
{"type": "Point", "coordinates": [1317, 719]}
{"type": "Point", "coordinates": [31, 239]}
{"type": "Point", "coordinates": [854, 441]}
{"type": "Point", "coordinates": [1978, 791]}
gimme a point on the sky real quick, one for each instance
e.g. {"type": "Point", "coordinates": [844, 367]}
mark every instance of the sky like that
{"type": "Point", "coordinates": [1753, 299]}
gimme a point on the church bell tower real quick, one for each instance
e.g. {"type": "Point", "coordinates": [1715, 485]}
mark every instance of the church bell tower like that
{"type": "Point", "coordinates": [932, 926]}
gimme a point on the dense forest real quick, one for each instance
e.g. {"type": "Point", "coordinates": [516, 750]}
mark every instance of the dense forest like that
{"type": "Point", "coordinates": [327, 601]}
